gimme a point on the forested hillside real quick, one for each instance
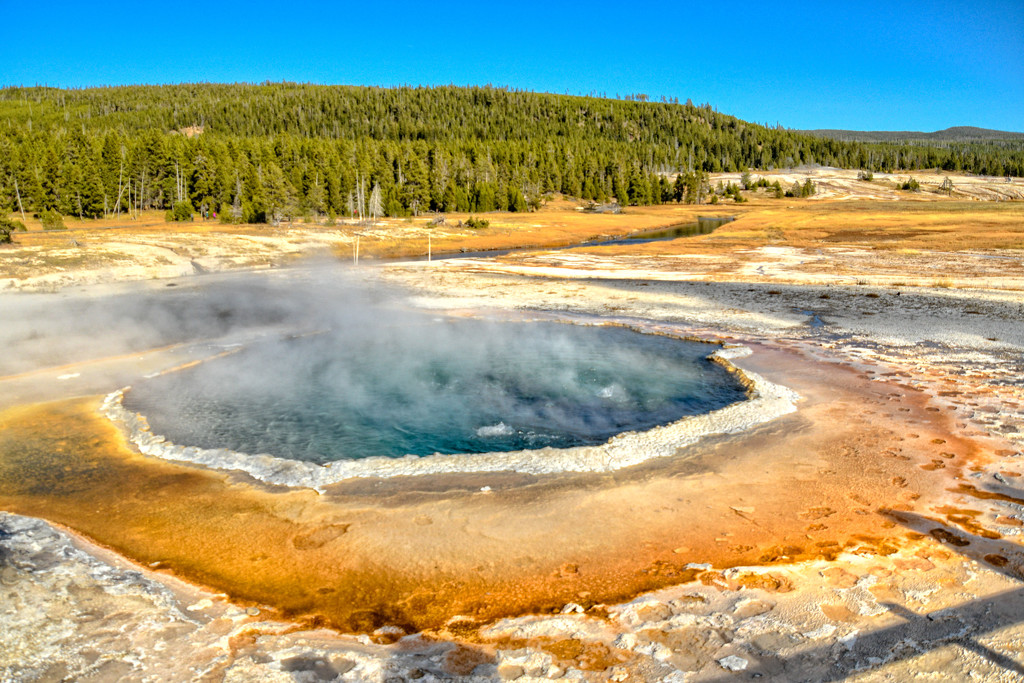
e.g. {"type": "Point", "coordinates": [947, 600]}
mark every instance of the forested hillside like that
{"type": "Point", "coordinates": [265, 152]}
{"type": "Point", "coordinates": [939, 137]}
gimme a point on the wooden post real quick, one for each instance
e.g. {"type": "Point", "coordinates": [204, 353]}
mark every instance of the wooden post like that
{"type": "Point", "coordinates": [355, 251]}
{"type": "Point", "coordinates": [428, 247]}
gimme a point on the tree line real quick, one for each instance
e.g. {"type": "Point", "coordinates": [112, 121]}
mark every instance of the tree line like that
{"type": "Point", "coordinates": [276, 151]}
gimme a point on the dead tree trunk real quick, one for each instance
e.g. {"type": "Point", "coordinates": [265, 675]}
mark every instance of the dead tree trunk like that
{"type": "Point", "coordinates": [17, 193]}
{"type": "Point", "coordinates": [120, 187]}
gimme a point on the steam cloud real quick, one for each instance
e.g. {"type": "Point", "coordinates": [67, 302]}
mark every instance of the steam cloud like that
{"type": "Point", "coordinates": [330, 355]}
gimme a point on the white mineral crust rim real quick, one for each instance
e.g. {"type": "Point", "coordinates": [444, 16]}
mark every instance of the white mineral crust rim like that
{"type": "Point", "coordinates": [766, 401]}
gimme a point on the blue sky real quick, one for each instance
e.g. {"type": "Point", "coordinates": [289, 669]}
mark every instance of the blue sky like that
{"type": "Point", "coordinates": [865, 65]}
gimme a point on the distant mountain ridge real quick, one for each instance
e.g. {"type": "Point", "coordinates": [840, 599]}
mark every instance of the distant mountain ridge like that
{"type": "Point", "coordinates": [954, 134]}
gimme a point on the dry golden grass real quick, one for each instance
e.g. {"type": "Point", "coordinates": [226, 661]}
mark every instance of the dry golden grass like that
{"type": "Point", "coordinates": [931, 226]}
{"type": "Point", "coordinates": [896, 226]}
{"type": "Point", "coordinates": [149, 222]}
{"type": "Point", "coordinates": [558, 224]}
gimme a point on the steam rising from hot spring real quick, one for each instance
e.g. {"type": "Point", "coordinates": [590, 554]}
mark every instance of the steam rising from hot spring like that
{"type": "Point", "coordinates": [333, 365]}
{"type": "Point", "coordinates": [381, 379]}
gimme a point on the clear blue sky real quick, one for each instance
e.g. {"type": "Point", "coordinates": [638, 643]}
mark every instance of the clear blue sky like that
{"type": "Point", "coordinates": [867, 65]}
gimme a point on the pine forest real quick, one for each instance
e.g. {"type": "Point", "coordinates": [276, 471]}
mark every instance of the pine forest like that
{"type": "Point", "coordinates": [276, 151]}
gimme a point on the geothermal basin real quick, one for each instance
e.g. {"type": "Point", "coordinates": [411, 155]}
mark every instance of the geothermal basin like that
{"type": "Point", "coordinates": [589, 516]}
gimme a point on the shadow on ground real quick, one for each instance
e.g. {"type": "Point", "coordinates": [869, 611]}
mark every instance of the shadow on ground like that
{"type": "Point", "coordinates": [963, 626]}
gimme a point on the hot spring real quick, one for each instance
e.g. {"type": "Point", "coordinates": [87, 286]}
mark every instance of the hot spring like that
{"type": "Point", "coordinates": [421, 385]}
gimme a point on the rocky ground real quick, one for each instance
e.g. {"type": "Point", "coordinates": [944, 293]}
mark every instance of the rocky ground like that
{"type": "Point", "coordinates": [926, 584]}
